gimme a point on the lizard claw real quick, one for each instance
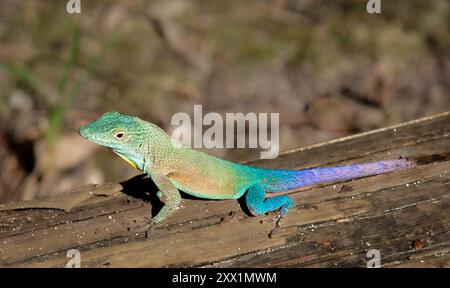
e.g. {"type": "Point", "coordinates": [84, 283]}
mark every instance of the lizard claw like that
{"type": "Point", "coordinates": [151, 226]}
{"type": "Point", "coordinates": [277, 226]}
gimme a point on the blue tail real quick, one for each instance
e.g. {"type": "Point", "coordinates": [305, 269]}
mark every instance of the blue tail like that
{"type": "Point", "coordinates": [283, 180]}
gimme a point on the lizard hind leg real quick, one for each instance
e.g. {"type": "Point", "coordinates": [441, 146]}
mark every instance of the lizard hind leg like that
{"type": "Point", "coordinates": [258, 204]}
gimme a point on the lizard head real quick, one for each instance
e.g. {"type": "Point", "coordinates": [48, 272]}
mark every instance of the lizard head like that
{"type": "Point", "coordinates": [124, 134]}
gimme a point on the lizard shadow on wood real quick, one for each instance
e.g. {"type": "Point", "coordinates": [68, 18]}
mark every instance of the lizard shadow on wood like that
{"type": "Point", "coordinates": [143, 188]}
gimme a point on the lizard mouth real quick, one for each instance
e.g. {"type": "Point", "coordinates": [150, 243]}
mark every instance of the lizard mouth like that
{"type": "Point", "coordinates": [86, 133]}
{"type": "Point", "coordinates": [83, 132]}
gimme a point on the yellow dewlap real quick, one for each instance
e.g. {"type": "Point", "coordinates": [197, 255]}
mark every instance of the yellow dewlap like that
{"type": "Point", "coordinates": [129, 161]}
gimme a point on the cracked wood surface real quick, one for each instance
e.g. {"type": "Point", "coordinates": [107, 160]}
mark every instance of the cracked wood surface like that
{"type": "Point", "coordinates": [332, 225]}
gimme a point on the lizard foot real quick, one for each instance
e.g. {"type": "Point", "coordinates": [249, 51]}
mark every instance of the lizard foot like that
{"type": "Point", "coordinates": [277, 226]}
{"type": "Point", "coordinates": [151, 227]}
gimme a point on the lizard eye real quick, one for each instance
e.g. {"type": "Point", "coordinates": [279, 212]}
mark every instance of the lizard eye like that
{"type": "Point", "coordinates": [119, 135]}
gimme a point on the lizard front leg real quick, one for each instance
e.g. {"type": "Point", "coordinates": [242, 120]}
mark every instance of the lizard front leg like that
{"type": "Point", "coordinates": [168, 194]}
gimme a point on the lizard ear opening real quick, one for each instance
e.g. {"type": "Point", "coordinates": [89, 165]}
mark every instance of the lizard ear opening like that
{"type": "Point", "coordinates": [119, 135]}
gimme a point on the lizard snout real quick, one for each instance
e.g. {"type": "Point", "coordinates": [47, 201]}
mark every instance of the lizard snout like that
{"type": "Point", "coordinates": [83, 131]}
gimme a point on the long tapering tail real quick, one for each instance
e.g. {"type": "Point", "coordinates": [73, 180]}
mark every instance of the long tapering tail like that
{"type": "Point", "coordinates": [283, 180]}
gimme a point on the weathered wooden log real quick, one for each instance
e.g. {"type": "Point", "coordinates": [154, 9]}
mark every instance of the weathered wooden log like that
{"type": "Point", "coordinates": [404, 215]}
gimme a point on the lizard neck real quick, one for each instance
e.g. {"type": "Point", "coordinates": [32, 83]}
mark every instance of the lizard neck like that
{"type": "Point", "coordinates": [157, 149]}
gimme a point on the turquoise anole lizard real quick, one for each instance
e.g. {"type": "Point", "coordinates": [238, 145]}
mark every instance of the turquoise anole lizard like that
{"type": "Point", "coordinates": [173, 168]}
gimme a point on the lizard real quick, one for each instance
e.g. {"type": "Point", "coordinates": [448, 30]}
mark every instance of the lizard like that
{"type": "Point", "coordinates": [175, 168]}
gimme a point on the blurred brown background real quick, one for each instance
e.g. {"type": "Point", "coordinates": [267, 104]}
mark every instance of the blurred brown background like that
{"type": "Point", "coordinates": [328, 67]}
